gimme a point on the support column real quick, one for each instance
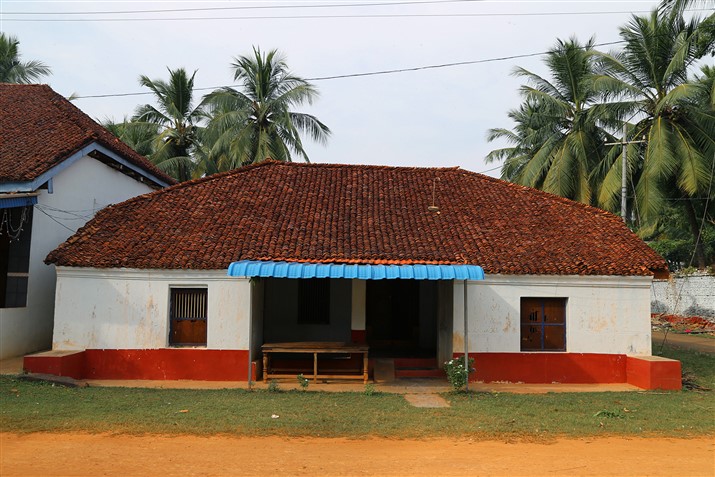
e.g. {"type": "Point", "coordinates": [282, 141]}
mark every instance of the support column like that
{"type": "Point", "coordinates": [357, 315]}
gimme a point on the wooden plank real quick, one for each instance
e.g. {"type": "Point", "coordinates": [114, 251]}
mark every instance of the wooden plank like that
{"type": "Point", "coordinates": [320, 376]}
{"type": "Point", "coordinates": [317, 348]}
{"type": "Point", "coordinates": [310, 347]}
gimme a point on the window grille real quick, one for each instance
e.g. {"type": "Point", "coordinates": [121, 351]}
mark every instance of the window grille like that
{"type": "Point", "coordinates": [189, 316]}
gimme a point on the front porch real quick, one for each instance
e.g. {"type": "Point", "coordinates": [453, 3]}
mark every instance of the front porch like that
{"type": "Point", "coordinates": [406, 324]}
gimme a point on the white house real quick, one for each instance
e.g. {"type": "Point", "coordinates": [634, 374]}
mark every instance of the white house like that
{"type": "Point", "coordinates": [57, 169]}
{"type": "Point", "coordinates": [191, 281]}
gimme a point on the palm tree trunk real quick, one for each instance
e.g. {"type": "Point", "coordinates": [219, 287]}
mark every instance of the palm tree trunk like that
{"type": "Point", "coordinates": [695, 230]}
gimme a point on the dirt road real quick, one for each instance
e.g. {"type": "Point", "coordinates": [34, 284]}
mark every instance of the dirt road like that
{"type": "Point", "coordinates": [692, 342]}
{"type": "Point", "coordinates": [93, 455]}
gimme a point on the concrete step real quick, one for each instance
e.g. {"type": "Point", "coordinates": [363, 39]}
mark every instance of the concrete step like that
{"type": "Point", "coordinates": [419, 373]}
{"type": "Point", "coordinates": [416, 363]}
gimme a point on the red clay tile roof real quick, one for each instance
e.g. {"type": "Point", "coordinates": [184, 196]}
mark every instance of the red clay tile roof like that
{"type": "Point", "coordinates": [358, 214]}
{"type": "Point", "coordinates": [39, 129]}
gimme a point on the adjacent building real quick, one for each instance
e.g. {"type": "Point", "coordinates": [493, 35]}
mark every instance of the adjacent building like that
{"type": "Point", "coordinates": [57, 169]}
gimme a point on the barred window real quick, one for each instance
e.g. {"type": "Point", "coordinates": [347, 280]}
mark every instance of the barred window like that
{"type": "Point", "coordinates": [188, 316]}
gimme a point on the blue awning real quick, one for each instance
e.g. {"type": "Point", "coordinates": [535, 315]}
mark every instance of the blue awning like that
{"type": "Point", "coordinates": [266, 269]}
{"type": "Point", "coordinates": [10, 202]}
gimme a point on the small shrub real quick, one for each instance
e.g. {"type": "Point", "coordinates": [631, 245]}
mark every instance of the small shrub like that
{"type": "Point", "coordinates": [303, 381]}
{"type": "Point", "coordinates": [687, 271]}
{"type": "Point", "coordinates": [609, 414]}
{"type": "Point", "coordinates": [273, 386]}
{"type": "Point", "coordinates": [369, 389]}
{"type": "Point", "coordinates": [457, 374]}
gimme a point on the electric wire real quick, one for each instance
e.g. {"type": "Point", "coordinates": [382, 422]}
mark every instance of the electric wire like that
{"type": "Point", "coordinates": [359, 75]}
{"type": "Point", "coordinates": [56, 221]}
{"type": "Point", "coordinates": [318, 17]}
{"type": "Point", "coordinates": [257, 7]}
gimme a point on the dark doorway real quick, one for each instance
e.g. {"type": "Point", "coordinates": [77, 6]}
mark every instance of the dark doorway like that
{"type": "Point", "coordinates": [401, 318]}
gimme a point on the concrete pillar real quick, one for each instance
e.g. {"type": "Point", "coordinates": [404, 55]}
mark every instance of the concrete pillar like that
{"type": "Point", "coordinates": [357, 320]}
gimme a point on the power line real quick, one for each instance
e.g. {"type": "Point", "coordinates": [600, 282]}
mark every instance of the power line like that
{"type": "Point", "coordinates": [369, 73]}
{"type": "Point", "coordinates": [318, 17]}
{"type": "Point", "coordinates": [261, 7]}
{"type": "Point", "coordinates": [489, 170]}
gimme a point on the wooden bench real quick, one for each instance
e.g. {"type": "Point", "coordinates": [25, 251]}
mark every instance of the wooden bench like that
{"type": "Point", "coordinates": [315, 348]}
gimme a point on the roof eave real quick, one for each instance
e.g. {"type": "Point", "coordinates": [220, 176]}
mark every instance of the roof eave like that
{"type": "Point", "coordinates": [94, 147]}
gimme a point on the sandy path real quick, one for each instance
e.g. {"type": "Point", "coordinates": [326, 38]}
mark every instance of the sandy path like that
{"type": "Point", "coordinates": [85, 455]}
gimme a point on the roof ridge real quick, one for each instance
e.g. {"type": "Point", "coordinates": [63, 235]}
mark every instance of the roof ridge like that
{"type": "Point", "coordinates": [330, 165]}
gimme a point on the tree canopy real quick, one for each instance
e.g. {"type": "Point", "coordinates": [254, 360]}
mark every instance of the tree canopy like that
{"type": "Point", "coordinates": [12, 69]}
{"type": "Point", "coordinates": [228, 128]}
{"type": "Point", "coordinates": [568, 130]}
{"type": "Point", "coordinates": [257, 120]}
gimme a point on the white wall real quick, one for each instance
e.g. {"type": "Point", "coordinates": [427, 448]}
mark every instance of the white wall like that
{"type": "Point", "coordinates": [78, 193]}
{"type": "Point", "coordinates": [129, 309]}
{"type": "Point", "coordinates": [603, 314]}
{"type": "Point", "coordinates": [692, 295]}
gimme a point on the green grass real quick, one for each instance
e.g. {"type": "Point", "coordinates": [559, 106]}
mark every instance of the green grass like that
{"type": "Point", "coordinates": [41, 407]}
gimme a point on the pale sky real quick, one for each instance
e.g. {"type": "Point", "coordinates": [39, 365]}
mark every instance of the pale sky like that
{"type": "Point", "coordinates": [433, 117]}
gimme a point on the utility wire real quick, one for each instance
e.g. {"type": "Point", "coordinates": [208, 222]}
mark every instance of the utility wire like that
{"type": "Point", "coordinates": [57, 221]}
{"type": "Point", "coordinates": [261, 7]}
{"type": "Point", "coordinates": [318, 17]}
{"type": "Point", "coordinates": [359, 75]}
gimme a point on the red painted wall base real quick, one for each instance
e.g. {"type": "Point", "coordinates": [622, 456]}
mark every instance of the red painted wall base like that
{"type": "Point", "coordinates": [165, 363]}
{"type": "Point", "coordinates": [654, 372]}
{"type": "Point", "coordinates": [58, 363]}
{"type": "Point", "coordinates": [647, 372]}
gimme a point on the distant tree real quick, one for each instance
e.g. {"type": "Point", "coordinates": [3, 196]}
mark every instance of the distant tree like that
{"type": "Point", "coordinates": [648, 81]}
{"type": "Point", "coordinates": [12, 70]}
{"type": "Point", "coordinates": [559, 140]}
{"type": "Point", "coordinates": [178, 121]}
{"type": "Point", "coordinates": [257, 120]}
{"type": "Point", "coordinates": [139, 136]}
{"type": "Point", "coordinates": [706, 30]}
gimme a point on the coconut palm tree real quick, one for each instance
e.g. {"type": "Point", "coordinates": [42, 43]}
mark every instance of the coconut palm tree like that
{"type": "Point", "coordinates": [178, 120]}
{"type": "Point", "coordinates": [12, 70]}
{"type": "Point", "coordinates": [706, 30]}
{"type": "Point", "coordinates": [257, 121]}
{"type": "Point", "coordinates": [560, 138]}
{"type": "Point", "coordinates": [140, 136]}
{"type": "Point", "coordinates": [648, 81]}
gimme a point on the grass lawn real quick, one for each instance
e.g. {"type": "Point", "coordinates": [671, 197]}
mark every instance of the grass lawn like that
{"type": "Point", "coordinates": [41, 407]}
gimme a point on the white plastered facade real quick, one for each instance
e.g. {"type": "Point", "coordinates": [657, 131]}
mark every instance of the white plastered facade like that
{"type": "Point", "coordinates": [604, 314]}
{"type": "Point", "coordinates": [129, 309]}
{"type": "Point", "coordinates": [78, 192]}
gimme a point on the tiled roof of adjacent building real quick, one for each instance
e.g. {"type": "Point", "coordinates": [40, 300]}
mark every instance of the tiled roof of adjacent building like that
{"type": "Point", "coordinates": [39, 129]}
{"type": "Point", "coordinates": [358, 214]}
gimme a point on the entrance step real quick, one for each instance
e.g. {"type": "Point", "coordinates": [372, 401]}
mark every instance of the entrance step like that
{"type": "Point", "coordinates": [417, 368]}
{"type": "Point", "coordinates": [416, 363]}
{"type": "Point", "coordinates": [384, 371]}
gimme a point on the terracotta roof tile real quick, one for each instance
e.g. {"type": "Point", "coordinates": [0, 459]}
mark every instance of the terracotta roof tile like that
{"type": "Point", "coordinates": [358, 214]}
{"type": "Point", "coordinates": [39, 129]}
